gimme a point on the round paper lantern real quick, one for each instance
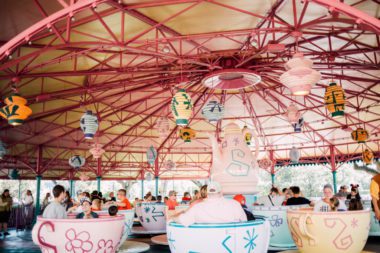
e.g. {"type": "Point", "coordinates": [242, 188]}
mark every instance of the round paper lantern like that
{"type": "Point", "coordinates": [293, 114]}
{"type": "Point", "coordinates": [3, 150]}
{"type": "Point", "coordinates": [77, 161]}
{"type": "Point", "coordinates": [335, 99]}
{"type": "Point", "coordinates": [89, 124]}
{"type": "Point", "coordinates": [360, 135]}
{"type": "Point", "coordinates": [265, 163]}
{"type": "Point", "coordinates": [14, 174]}
{"type": "Point", "coordinates": [213, 111]}
{"type": "Point", "coordinates": [298, 126]}
{"type": "Point", "coordinates": [97, 151]}
{"type": "Point", "coordinates": [169, 165]}
{"type": "Point", "coordinates": [294, 155]}
{"type": "Point", "coordinates": [186, 134]}
{"type": "Point", "coordinates": [299, 77]}
{"type": "Point", "coordinates": [182, 107]}
{"type": "Point", "coordinates": [368, 156]}
{"type": "Point", "coordinates": [247, 135]}
{"type": "Point", "coordinates": [163, 127]}
{"type": "Point", "coordinates": [83, 177]}
{"type": "Point", "coordinates": [151, 155]}
{"type": "Point", "coordinates": [15, 111]}
{"type": "Point", "coordinates": [149, 176]}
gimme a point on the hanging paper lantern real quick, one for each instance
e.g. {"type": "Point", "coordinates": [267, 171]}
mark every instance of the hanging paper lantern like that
{"type": "Point", "coordinates": [294, 155]}
{"type": "Point", "coordinates": [83, 176]}
{"type": "Point", "coordinates": [14, 174]}
{"type": "Point", "coordinates": [265, 163]}
{"type": "Point", "coordinates": [182, 107]}
{"type": "Point", "coordinates": [360, 135]}
{"type": "Point", "coordinates": [187, 134]}
{"type": "Point", "coordinates": [247, 135]}
{"type": "Point", "coordinates": [335, 99]}
{"type": "Point", "coordinates": [97, 151]}
{"type": "Point", "coordinates": [77, 161]}
{"type": "Point", "coordinates": [151, 155]}
{"type": "Point", "coordinates": [299, 77]}
{"type": "Point", "coordinates": [3, 150]}
{"type": "Point", "coordinates": [298, 126]}
{"type": "Point", "coordinates": [293, 114]}
{"type": "Point", "coordinates": [213, 111]}
{"type": "Point", "coordinates": [169, 165]}
{"type": "Point", "coordinates": [149, 176]}
{"type": "Point", "coordinates": [368, 156]}
{"type": "Point", "coordinates": [15, 111]}
{"type": "Point", "coordinates": [89, 124]}
{"type": "Point", "coordinates": [163, 127]}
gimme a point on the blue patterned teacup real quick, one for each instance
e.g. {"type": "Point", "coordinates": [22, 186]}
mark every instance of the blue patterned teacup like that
{"type": "Point", "coordinates": [151, 215]}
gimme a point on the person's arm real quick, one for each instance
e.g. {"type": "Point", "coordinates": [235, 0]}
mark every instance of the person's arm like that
{"type": "Point", "coordinates": [374, 191]}
{"type": "Point", "coordinates": [187, 218]}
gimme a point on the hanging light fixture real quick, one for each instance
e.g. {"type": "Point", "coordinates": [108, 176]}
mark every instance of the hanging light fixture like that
{"type": "Point", "coordinates": [89, 124]}
{"type": "Point", "coordinates": [149, 176]}
{"type": "Point", "coordinates": [14, 174]}
{"type": "Point", "coordinates": [213, 111]}
{"type": "Point", "coordinates": [293, 114]}
{"type": "Point", "coordinates": [163, 127]}
{"type": "Point", "coordinates": [3, 150]}
{"type": "Point", "coordinates": [360, 135]}
{"type": "Point", "coordinates": [265, 163]}
{"type": "Point", "coordinates": [186, 134]}
{"type": "Point", "coordinates": [247, 135]}
{"type": "Point", "coordinates": [76, 161]}
{"type": "Point", "coordinates": [335, 99]}
{"type": "Point", "coordinates": [169, 165]}
{"type": "Point", "coordinates": [367, 156]}
{"type": "Point", "coordinates": [97, 150]}
{"type": "Point", "coordinates": [83, 177]}
{"type": "Point", "coordinates": [298, 126]}
{"type": "Point", "coordinates": [182, 107]}
{"type": "Point", "coordinates": [294, 155]}
{"type": "Point", "coordinates": [151, 155]}
{"type": "Point", "coordinates": [15, 111]}
{"type": "Point", "coordinates": [299, 77]}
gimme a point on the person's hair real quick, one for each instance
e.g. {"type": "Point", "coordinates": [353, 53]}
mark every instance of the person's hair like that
{"type": "Point", "coordinates": [97, 203]}
{"type": "Point", "coordinates": [274, 189]}
{"type": "Point", "coordinates": [29, 191]}
{"type": "Point", "coordinates": [355, 204]}
{"type": "Point", "coordinates": [123, 191]}
{"type": "Point", "coordinates": [100, 194]}
{"type": "Point", "coordinates": [284, 190]}
{"type": "Point", "coordinates": [68, 195]}
{"type": "Point", "coordinates": [94, 192]}
{"type": "Point", "coordinates": [57, 190]}
{"type": "Point", "coordinates": [154, 198]}
{"type": "Point", "coordinates": [112, 210]}
{"type": "Point", "coordinates": [204, 191]}
{"type": "Point", "coordinates": [334, 203]}
{"type": "Point", "coordinates": [196, 192]}
{"type": "Point", "coordinates": [87, 194]}
{"type": "Point", "coordinates": [186, 193]}
{"type": "Point", "coordinates": [5, 191]}
{"type": "Point", "coordinates": [166, 198]}
{"type": "Point", "coordinates": [47, 195]}
{"type": "Point", "coordinates": [328, 186]}
{"type": "Point", "coordinates": [295, 189]}
{"type": "Point", "coordinates": [159, 198]}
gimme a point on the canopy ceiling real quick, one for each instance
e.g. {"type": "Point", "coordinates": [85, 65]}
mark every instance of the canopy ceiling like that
{"type": "Point", "coordinates": [124, 60]}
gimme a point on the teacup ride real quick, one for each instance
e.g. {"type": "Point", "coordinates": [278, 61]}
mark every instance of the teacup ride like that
{"type": "Point", "coordinates": [152, 218]}
{"type": "Point", "coordinates": [333, 232]}
{"type": "Point", "coordinates": [280, 237]}
{"type": "Point", "coordinates": [250, 236]}
{"type": "Point", "coordinates": [375, 224]}
{"type": "Point", "coordinates": [79, 235]}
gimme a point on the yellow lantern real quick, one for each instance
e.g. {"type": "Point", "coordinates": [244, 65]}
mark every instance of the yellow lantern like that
{"type": "Point", "coordinates": [247, 135]}
{"type": "Point", "coordinates": [16, 111]}
{"type": "Point", "coordinates": [360, 135]}
{"type": "Point", "coordinates": [335, 99]}
{"type": "Point", "coordinates": [187, 134]}
{"type": "Point", "coordinates": [367, 156]}
{"type": "Point", "coordinates": [182, 107]}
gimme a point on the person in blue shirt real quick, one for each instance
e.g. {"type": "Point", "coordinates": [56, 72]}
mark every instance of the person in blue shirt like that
{"type": "Point", "coordinates": [86, 207]}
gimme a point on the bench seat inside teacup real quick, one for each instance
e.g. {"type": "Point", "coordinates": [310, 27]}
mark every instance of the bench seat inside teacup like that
{"type": "Point", "coordinates": [251, 236]}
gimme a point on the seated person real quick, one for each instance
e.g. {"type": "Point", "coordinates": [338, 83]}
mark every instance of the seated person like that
{"type": "Point", "coordinates": [172, 201]}
{"type": "Point", "coordinates": [297, 199]}
{"type": "Point", "coordinates": [124, 202]}
{"type": "Point", "coordinates": [334, 204]}
{"type": "Point", "coordinates": [355, 205]}
{"type": "Point", "coordinates": [86, 207]}
{"type": "Point", "coordinates": [112, 210]}
{"type": "Point", "coordinates": [186, 198]}
{"type": "Point", "coordinates": [272, 199]}
{"type": "Point", "coordinates": [241, 199]}
{"type": "Point", "coordinates": [96, 205]}
{"type": "Point", "coordinates": [323, 205]}
{"type": "Point", "coordinates": [354, 192]}
{"type": "Point", "coordinates": [341, 196]}
{"type": "Point", "coordinates": [214, 209]}
{"type": "Point", "coordinates": [55, 210]}
{"type": "Point", "coordinates": [201, 196]}
{"type": "Point", "coordinates": [111, 197]}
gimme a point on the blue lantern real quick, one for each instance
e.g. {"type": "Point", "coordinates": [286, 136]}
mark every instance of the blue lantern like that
{"type": "Point", "coordinates": [77, 161]}
{"type": "Point", "coordinates": [298, 126]}
{"type": "Point", "coordinates": [89, 124]}
{"type": "Point", "coordinates": [14, 174]}
{"type": "Point", "coordinates": [151, 155]}
{"type": "Point", "coordinates": [213, 111]}
{"type": "Point", "coordinates": [3, 150]}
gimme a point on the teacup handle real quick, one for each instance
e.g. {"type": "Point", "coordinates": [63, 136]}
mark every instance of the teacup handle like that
{"type": "Point", "coordinates": [303, 226]}
{"type": "Point", "coordinates": [40, 241]}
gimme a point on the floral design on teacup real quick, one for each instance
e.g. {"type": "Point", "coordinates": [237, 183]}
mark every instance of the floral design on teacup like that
{"type": "Point", "coordinates": [78, 242]}
{"type": "Point", "coordinates": [276, 221]}
{"type": "Point", "coordinates": [105, 246]}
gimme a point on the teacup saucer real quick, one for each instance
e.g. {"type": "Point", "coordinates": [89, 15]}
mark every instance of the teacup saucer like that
{"type": "Point", "coordinates": [133, 247]}
{"type": "Point", "coordinates": [143, 231]}
{"type": "Point", "coordinates": [160, 239]}
{"type": "Point", "coordinates": [282, 248]}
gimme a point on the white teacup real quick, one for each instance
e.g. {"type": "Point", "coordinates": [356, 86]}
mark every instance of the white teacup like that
{"type": "Point", "coordinates": [78, 235]}
{"type": "Point", "coordinates": [251, 236]}
{"type": "Point", "coordinates": [151, 215]}
{"type": "Point", "coordinates": [333, 232]}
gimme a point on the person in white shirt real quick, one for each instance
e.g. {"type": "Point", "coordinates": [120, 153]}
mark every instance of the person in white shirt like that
{"type": "Point", "coordinates": [324, 205]}
{"type": "Point", "coordinates": [214, 209]}
{"type": "Point", "coordinates": [55, 210]}
{"type": "Point", "coordinates": [28, 208]}
{"type": "Point", "coordinates": [28, 199]}
{"type": "Point", "coordinates": [273, 199]}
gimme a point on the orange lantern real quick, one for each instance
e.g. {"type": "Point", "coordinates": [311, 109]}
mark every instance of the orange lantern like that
{"type": "Point", "coordinates": [16, 111]}
{"type": "Point", "coordinates": [335, 99]}
{"type": "Point", "coordinates": [367, 156]}
{"type": "Point", "coordinates": [187, 134]}
{"type": "Point", "coordinates": [360, 135]}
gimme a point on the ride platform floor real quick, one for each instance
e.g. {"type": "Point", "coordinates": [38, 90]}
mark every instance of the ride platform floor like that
{"type": "Point", "coordinates": [21, 241]}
